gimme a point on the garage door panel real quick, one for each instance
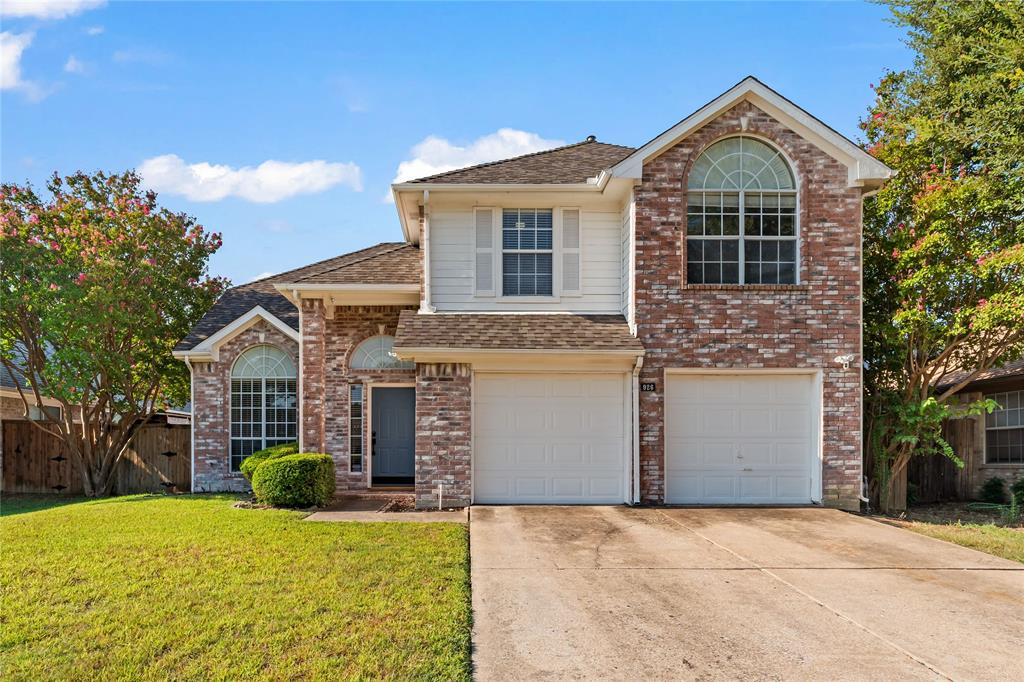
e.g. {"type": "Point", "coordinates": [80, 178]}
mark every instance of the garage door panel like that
{"type": "Point", "coordinates": [756, 421]}
{"type": "Point", "coordinates": [718, 421]}
{"type": "Point", "coordinates": [740, 439]}
{"type": "Point", "coordinates": [570, 429]}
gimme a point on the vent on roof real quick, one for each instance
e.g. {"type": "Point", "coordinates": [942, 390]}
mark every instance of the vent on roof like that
{"type": "Point", "coordinates": [591, 138]}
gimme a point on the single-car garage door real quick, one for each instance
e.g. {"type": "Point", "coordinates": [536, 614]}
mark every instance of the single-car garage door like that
{"type": "Point", "coordinates": [741, 439]}
{"type": "Point", "coordinates": [549, 438]}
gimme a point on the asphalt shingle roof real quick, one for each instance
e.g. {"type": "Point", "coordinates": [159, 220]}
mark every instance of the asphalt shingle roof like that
{"type": "Point", "coordinates": [515, 332]}
{"type": "Point", "coordinates": [387, 263]}
{"type": "Point", "coordinates": [570, 164]}
{"type": "Point", "coordinates": [1008, 370]}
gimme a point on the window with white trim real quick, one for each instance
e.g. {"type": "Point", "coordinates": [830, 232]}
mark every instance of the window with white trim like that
{"type": "Point", "coordinates": [1004, 429]}
{"type": "Point", "coordinates": [377, 352]}
{"type": "Point", "coordinates": [263, 402]}
{"type": "Point", "coordinates": [527, 251]}
{"type": "Point", "coordinates": [356, 410]}
{"type": "Point", "coordinates": [741, 217]}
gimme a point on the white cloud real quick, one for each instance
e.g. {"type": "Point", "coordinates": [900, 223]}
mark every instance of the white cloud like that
{"type": "Point", "coordinates": [268, 182]}
{"type": "Point", "coordinates": [74, 65]}
{"type": "Point", "coordinates": [436, 155]}
{"type": "Point", "coordinates": [12, 45]}
{"type": "Point", "coordinates": [94, 30]}
{"type": "Point", "coordinates": [262, 275]}
{"type": "Point", "coordinates": [47, 9]}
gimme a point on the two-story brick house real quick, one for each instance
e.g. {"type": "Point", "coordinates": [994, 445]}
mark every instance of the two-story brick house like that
{"type": "Point", "coordinates": [675, 323]}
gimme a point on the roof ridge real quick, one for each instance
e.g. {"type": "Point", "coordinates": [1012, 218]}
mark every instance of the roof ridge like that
{"type": "Point", "coordinates": [397, 246]}
{"type": "Point", "coordinates": [487, 164]}
{"type": "Point", "coordinates": [319, 262]}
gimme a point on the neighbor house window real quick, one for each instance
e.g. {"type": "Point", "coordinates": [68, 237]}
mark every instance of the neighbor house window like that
{"type": "Point", "coordinates": [356, 407]}
{"type": "Point", "coordinates": [1004, 429]}
{"type": "Point", "coordinates": [39, 414]}
{"type": "Point", "coordinates": [377, 352]}
{"type": "Point", "coordinates": [741, 219]}
{"type": "Point", "coordinates": [263, 402]}
{"type": "Point", "coordinates": [526, 251]}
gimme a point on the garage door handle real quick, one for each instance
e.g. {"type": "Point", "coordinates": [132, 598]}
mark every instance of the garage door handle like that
{"type": "Point", "coordinates": [747, 469]}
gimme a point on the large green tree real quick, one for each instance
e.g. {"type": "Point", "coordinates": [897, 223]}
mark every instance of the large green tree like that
{"type": "Point", "coordinates": [97, 284]}
{"type": "Point", "coordinates": [943, 253]}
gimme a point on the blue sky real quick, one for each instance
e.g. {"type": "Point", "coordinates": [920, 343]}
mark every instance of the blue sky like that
{"type": "Point", "coordinates": [169, 87]}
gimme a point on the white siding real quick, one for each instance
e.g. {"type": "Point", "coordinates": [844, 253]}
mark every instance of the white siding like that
{"type": "Point", "coordinates": [452, 246]}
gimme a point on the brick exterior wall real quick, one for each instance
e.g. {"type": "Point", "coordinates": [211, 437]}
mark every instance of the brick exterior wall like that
{"type": "Point", "coordinates": [721, 326]}
{"type": "Point", "coordinates": [326, 379]}
{"type": "Point", "coordinates": [211, 384]}
{"type": "Point", "coordinates": [444, 434]}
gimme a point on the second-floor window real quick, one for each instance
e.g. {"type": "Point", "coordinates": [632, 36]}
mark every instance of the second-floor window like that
{"type": "Point", "coordinates": [741, 217]}
{"type": "Point", "coordinates": [527, 251]}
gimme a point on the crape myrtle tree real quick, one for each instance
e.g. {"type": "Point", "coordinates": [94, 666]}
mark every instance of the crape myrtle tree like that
{"type": "Point", "coordinates": [98, 283]}
{"type": "Point", "coordinates": [944, 238]}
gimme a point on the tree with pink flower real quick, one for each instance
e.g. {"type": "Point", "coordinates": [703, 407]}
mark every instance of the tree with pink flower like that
{"type": "Point", "coordinates": [944, 238]}
{"type": "Point", "coordinates": [98, 283]}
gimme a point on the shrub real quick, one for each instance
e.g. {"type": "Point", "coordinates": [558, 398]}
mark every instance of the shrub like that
{"type": "Point", "coordinates": [250, 463]}
{"type": "Point", "coordinates": [300, 480]}
{"type": "Point", "coordinates": [1017, 490]}
{"type": "Point", "coordinates": [993, 491]}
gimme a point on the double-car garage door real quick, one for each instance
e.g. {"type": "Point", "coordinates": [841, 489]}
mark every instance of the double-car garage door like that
{"type": "Point", "coordinates": [563, 438]}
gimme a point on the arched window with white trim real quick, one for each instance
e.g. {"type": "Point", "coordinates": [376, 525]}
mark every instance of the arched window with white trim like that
{"type": "Point", "coordinates": [377, 352]}
{"type": "Point", "coordinates": [741, 222]}
{"type": "Point", "coordinates": [263, 402]}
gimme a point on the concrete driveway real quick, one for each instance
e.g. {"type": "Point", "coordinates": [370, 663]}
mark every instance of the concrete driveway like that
{"type": "Point", "coordinates": [631, 594]}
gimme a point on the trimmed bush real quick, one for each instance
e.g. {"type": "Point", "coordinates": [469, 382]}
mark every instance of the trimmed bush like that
{"type": "Point", "coordinates": [301, 480]}
{"type": "Point", "coordinates": [993, 491]}
{"type": "Point", "coordinates": [250, 463]}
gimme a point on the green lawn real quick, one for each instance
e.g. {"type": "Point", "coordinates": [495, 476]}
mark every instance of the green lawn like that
{"type": "Point", "coordinates": [966, 524]}
{"type": "Point", "coordinates": [158, 587]}
{"type": "Point", "coordinates": [1005, 542]}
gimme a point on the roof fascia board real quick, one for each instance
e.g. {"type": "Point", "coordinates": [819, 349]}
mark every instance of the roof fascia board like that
{"type": "Point", "coordinates": [344, 288]}
{"type": "Point", "coordinates": [498, 187]}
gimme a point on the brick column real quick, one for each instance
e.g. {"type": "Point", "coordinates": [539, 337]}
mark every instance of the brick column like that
{"type": "Point", "coordinates": [313, 375]}
{"type": "Point", "coordinates": [443, 434]}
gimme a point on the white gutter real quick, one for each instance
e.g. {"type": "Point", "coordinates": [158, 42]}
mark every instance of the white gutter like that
{"type": "Point", "coordinates": [191, 426]}
{"type": "Point", "coordinates": [636, 429]}
{"type": "Point", "coordinates": [500, 187]}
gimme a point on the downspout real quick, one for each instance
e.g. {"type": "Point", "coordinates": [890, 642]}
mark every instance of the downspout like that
{"type": "Point", "coordinates": [300, 398]}
{"type": "Point", "coordinates": [425, 306]}
{"type": "Point", "coordinates": [191, 427]}
{"type": "Point", "coordinates": [636, 428]}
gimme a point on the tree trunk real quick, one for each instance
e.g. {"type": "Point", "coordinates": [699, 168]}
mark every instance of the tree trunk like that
{"type": "Point", "coordinates": [893, 496]}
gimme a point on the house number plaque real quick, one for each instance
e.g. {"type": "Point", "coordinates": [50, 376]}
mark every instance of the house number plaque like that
{"type": "Point", "coordinates": [647, 386]}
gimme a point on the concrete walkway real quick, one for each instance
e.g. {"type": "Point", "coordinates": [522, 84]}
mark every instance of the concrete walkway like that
{"type": "Point", "coordinates": [675, 594]}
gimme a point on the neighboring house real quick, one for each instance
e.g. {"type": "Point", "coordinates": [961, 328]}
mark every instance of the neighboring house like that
{"type": "Point", "coordinates": [675, 323]}
{"type": "Point", "coordinates": [990, 445]}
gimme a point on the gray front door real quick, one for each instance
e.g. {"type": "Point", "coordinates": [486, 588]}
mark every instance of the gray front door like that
{"type": "Point", "coordinates": [394, 435]}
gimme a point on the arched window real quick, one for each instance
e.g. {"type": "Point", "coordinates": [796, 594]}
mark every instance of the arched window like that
{"type": "Point", "coordinates": [376, 353]}
{"type": "Point", "coordinates": [741, 222]}
{"type": "Point", "coordinates": [263, 402]}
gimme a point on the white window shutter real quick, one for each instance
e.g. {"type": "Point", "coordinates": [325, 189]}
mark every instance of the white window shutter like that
{"type": "Point", "coordinates": [571, 266]}
{"type": "Point", "coordinates": [484, 253]}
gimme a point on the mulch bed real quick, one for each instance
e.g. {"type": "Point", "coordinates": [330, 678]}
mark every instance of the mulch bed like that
{"type": "Point", "coordinates": [949, 513]}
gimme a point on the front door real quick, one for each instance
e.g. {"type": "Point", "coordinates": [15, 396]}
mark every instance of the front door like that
{"type": "Point", "coordinates": [394, 435]}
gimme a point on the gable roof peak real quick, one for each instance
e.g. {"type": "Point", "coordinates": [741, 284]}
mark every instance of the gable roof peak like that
{"type": "Point", "coordinates": [863, 169]}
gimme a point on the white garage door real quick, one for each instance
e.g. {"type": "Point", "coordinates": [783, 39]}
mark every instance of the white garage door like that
{"type": "Point", "coordinates": [741, 439]}
{"type": "Point", "coordinates": [549, 438]}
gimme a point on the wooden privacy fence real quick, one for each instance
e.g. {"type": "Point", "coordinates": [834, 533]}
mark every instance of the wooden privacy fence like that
{"type": "Point", "coordinates": [159, 459]}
